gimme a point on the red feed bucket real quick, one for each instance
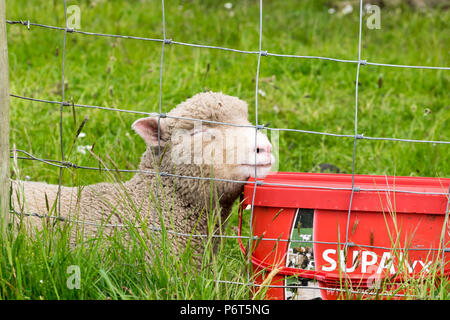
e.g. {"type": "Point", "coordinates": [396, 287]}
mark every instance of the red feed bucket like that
{"type": "Point", "coordinates": [394, 231]}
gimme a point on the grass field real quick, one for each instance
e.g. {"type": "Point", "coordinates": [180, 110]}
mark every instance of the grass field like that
{"type": "Point", "coordinates": [307, 94]}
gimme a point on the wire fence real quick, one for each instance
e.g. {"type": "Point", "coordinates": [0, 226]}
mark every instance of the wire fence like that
{"type": "Point", "coordinates": [359, 63]}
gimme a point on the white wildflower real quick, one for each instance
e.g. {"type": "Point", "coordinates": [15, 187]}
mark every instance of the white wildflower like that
{"type": "Point", "coordinates": [331, 10]}
{"type": "Point", "coordinates": [82, 135]}
{"type": "Point", "coordinates": [261, 92]}
{"type": "Point", "coordinates": [228, 5]}
{"type": "Point", "coordinates": [82, 149]}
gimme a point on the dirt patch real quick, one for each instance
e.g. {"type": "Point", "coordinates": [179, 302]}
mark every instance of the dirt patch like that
{"type": "Point", "coordinates": [418, 4]}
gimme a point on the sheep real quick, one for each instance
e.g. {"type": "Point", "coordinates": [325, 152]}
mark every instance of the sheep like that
{"type": "Point", "coordinates": [186, 147]}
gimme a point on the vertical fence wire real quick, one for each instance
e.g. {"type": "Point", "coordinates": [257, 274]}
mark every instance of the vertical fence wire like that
{"type": "Point", "coordinates": [445, 230]}
{"type": "Point", "coordinates": [61, 110]}
{"type": "Point", "coordinates": [161, 69]}
{"type": "Point", "coordinates": [250, 240]}
{"type": "Point", "coordinates": [355, 139]}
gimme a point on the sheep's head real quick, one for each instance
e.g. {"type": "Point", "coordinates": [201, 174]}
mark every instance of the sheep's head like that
{"type": "Point", "coordinates": [204, 148]}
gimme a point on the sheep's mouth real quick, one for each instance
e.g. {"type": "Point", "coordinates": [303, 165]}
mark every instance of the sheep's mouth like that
{"type": "Point", "coordinates": [258, 165]}
{"type": "Point", "coordinates": [259, 170]}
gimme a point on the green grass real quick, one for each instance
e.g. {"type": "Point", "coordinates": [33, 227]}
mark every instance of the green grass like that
{"type": "Point", "coordinates": [299, 93]}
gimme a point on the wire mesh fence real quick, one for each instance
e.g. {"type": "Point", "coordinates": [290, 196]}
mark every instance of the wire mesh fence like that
{"type": "Point", "coordinates": [260, 54]}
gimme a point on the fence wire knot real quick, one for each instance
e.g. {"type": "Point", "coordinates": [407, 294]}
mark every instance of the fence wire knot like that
{"type": "Point", "coordinates": [69, 164]}
{"type": "Point", "coordinates": [26, 23]}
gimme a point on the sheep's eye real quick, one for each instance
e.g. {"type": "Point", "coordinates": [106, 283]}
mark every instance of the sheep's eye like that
{"type": "Point", "coordinates": [193, 133]}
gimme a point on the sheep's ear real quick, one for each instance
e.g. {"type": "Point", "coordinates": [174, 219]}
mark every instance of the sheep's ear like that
{"type": "Point", "coordinates": [147, 128]}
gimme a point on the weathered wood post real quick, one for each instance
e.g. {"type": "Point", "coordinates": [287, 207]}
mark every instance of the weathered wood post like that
{"type": "Point", "coordinates": [4, 123]}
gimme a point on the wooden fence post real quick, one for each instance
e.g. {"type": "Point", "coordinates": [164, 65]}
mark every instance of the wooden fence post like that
{"type": "Point", "coordinates": [4, 123]}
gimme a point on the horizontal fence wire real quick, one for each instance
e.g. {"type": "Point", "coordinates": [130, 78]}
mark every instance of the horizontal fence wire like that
{"type": "Point", "coordinates": [62, 164]}
{"type": "Point", "coordinates": [260, 127]}
{"type": "Point", "coordinates": [347, 290]}
{"type": "Point", "coordinates": [237, 237]}
{"type": "Point", "coordinates": [29, 24]}
{"type": "Point", "coordinates": [67, 164]}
